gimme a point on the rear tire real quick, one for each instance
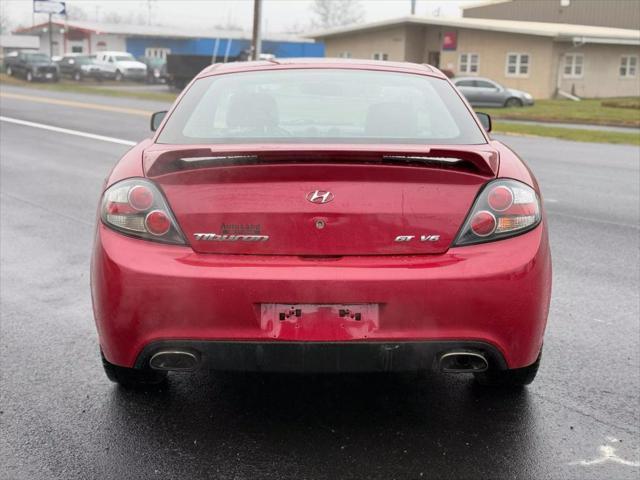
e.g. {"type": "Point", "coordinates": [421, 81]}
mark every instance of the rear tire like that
{"type": "Point", "coordinates": [119, 77]}
{"type": "Point", "coordinates": [513, 102]}
{"type": "Point", "coordinates": [517, 377]}
{"type": "Point", "coordinates": [133, 378]}
{"type": "Point", "coordinates": [29, 77]}
{"type": "Point", "coordinates": [9, 72]}
{"type": "Point", "coordinates": [77, 76]}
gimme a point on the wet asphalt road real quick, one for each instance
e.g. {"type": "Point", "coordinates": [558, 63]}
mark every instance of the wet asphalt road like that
{"type": "Point", "coordinates": [61, 418]}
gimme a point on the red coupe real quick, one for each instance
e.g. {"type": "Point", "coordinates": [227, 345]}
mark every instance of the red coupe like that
{"type": "Point", "coordinates": [321, 216]}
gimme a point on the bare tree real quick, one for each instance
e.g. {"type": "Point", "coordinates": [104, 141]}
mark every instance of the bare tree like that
{"type": "Point", "coordinates": [131, 19]}
{"type": "Point", "coordinates": [112, 17]}
{"type": "Point", "coordinates": [5, 23]}
{"type": "Point", "coordinates": [296, 28]}
{"type": "Point", "coordinates": [229, 25]}
{"type": "Point", "coordinates": [336, 13]}
{"type": "Point", "coordinates": [76, 12]}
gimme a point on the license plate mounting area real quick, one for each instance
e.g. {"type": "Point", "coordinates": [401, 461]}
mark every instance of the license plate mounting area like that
{"type": "Point", "coordinates": [319, 322]}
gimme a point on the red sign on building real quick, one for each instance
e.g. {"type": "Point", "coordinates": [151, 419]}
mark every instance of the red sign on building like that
{"type": "Point", "coordinates": [450, 40]}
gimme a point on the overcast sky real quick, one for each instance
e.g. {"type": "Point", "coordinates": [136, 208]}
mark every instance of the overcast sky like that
{"type": "Point", "coordinates": [279, 15]}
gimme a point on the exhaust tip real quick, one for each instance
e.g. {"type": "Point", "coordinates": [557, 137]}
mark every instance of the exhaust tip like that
{"type": "Point", "coordinates": [175, 360]}
{"type": "Point", "coordinates": [463, 362]}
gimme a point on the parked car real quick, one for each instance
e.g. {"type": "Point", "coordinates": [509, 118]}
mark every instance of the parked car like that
{"type": "Point", "coordinates": [483, 92]}
{"type": "Point", "coordinates": [120, 66]}
{"type": "Point", "coordinates": [8, 60]}
{"type": "Point", "coordinates": [275, 225]}
{"type": "Point", "coordinates": [32, 66]}
{"type": "Point", "coordinates": [78, 66]}
{"type": "Point", "coordinates": [156, 69]}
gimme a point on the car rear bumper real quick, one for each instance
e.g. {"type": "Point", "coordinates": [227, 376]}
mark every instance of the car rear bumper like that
{"type": "Point", "coordinates": [493, 296]}
{"type": "Point", "coordinates": [327, 357]}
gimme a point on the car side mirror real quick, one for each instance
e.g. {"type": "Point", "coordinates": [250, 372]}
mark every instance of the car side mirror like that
{"type": "Point", "coordinates": [156, 120]}
{"type": "Point", "coordinates": [485, 120]}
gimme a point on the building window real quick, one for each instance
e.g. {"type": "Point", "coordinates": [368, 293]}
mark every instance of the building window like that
{"type": "Point", "coordinates": [469, 63]}
{"type": "Point", "coordinates": [153, 52]}
{"type": "Point", "coordinates": [573, 63]}
{"type": "Point", "coordinates": [344, 55]}
{"type": "Point", "coordinates": [76, 49]}
{"type": "Point", "coordinates": [380, 56]}
{"type": "Point", "coordinates": [518, 64]}
{"type": "Point", "coordinates": [628, 66]}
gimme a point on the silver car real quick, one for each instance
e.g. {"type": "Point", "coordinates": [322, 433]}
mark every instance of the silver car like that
{"type": "Point", "coordinates": [482, 92]}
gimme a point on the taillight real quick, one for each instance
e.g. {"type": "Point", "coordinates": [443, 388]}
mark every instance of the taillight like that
{"type": "Point", "coordinates": [140, 197]}
{"type": "Point", "coordinates": [483, 223]}
{"type": "Point", "coordinates": [503, 209]}
{"type": "Point", "coordinates": [136, 207]}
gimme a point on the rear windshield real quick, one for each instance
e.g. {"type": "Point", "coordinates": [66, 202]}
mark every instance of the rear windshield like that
{"type": "Point", "coordinates": [321, 106]}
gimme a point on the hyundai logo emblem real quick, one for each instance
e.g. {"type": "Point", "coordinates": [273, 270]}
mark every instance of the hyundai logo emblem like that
{"type": "Point", "coordinates": [320, 196]}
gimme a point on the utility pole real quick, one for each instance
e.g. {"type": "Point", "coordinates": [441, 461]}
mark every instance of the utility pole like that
{"type": "Point", "coordinates": [256, 43]}
{"type": "Point", "coordinates": [50, 37]}
{"type": "Point", "coordinates": [413, 7]}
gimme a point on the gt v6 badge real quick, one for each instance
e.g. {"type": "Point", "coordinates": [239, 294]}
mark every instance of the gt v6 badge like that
{"type": "Point", "coordinates": [423, 238]}
{"type": "Point", "coordinates": [214, 237]}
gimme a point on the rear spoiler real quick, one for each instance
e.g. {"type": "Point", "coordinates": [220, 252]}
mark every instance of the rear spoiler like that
{"type": "Point", "coordinates": [159, 161]}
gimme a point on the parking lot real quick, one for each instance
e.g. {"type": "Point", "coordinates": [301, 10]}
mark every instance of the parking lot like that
{"type": "Point", "coordinates": [62, 418]}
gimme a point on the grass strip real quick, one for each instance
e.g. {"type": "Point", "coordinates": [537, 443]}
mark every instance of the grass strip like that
{"type": "Point", "coordinates": [90, 89]}
{"type": "Point", "coordinates": [574, 134]}
{"type": "Point", "coordinates": [620, 112]}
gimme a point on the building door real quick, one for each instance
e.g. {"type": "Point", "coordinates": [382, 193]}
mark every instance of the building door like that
{"type": "Point", "coordinates": [75, 46]}
{"type": "Point", "coordinates": [433, 59]}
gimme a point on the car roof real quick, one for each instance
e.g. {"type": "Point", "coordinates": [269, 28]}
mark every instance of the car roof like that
{"type": "Point", "coordinates": [339, 63]}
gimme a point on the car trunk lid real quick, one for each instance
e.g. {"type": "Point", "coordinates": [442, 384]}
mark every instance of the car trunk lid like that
{"type": "Point", "coordinates": [323, 201]}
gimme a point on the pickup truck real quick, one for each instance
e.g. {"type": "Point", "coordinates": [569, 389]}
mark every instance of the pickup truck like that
{"type": "Point", "coordinates": [120, 66]}
{"type": "Point", "coordinates": [33, 66]}
{"type": "Point", "coordinates": [79, 67]}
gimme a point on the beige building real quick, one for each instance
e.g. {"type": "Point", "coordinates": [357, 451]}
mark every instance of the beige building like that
{"type": "Point", "coordinates": [605, 13]}
{"type": "Point", "coordinates": [540, 58]}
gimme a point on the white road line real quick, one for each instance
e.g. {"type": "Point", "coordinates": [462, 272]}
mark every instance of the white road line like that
{"type": "Point", "coordinates": [67, 131]}
{"type": "Point", "coordinates": [607, 454]}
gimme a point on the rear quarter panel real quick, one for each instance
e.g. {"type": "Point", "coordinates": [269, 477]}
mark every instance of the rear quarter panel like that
{"type": "Point", "coordinates": [512, 166]}
{"type": "Point", "coordinates": [130, 165]}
